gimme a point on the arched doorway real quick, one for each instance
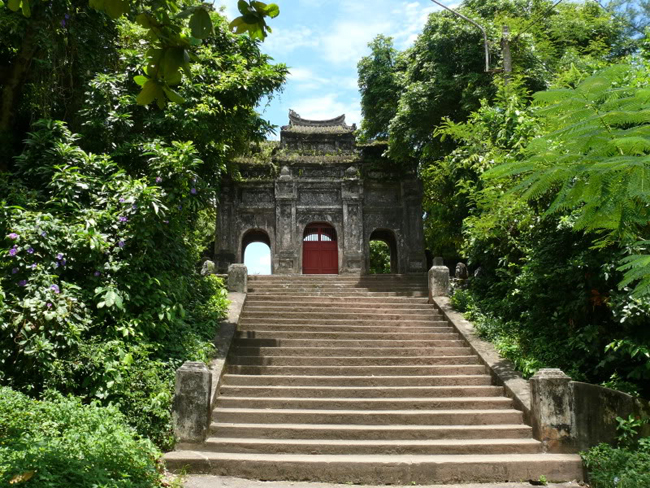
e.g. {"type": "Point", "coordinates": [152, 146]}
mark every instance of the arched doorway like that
{"type": "Point", "coordinates": [382, 252]}
{"type": "Point", "coordinates": [320, 253]}
{"type": "Point", "coordinates": [256, 252]}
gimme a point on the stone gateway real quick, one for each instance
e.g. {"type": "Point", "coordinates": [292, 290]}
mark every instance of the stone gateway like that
{"type": "Point", "coordinates": [317, 202]}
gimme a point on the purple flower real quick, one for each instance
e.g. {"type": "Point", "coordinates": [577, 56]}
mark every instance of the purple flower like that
{"type": "Point", "coordinates": [33, 265]}
{"type": "Point", "coordinates": [62, 22]}
{"type": "Point", "coordinates": [120, 243]}
{"type": "Point", "coordinates": [13, 235]}
{"type": "Point", "coordinates": [193, 191]}
{"type": "Point", "coordinates": [134, 206]}
{"type": "Point", "coordinates": [158, 179]}
{"type": "Point", "coordinates": [22, 283]}
{"type": "Point", "coordinates": [14, 271]}
{"type": "Point", "coordinates": [121, 200]}
{"type": "Point", "coordinates": [30, 250]}
{"type": "Point", "coordinates": [49, 305]}
{"type": "Point", "coordinates": [55, 289]}
{"type": "Point", "coordinates": [97, 273]}
{"type": "Point", "coordinates": [59, 256]}
{"type": "Point", "coordinates": [123, 218]}
{"type": "Point", "coordinates": [63, 261]}
{"type": "Point", "coordinates": [56, 264]}
{"type": "Point", "coordinates": [166, 221]}
{"type": "Point", "coordinates": [180, 207]}
{"type": "Point", "coordinates": [43, 234]}
{"type": "Point", "coordinates": [13, 251]}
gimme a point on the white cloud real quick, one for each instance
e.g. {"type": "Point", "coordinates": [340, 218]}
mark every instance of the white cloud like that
{"type": "Point", "coordinates": [329, 106]}
{"type": "Point", "coordinates": [231, 10]}
{"type": "Point", "coordinates": [281, 41]}
{"type": "Point", "coordinates": [348, 40]}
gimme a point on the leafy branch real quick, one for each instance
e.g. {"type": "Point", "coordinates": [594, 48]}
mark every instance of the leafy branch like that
{"type": "Point", "coordinates": [172, 39]}
{"type": "Point", "coordinates": [593, 160]}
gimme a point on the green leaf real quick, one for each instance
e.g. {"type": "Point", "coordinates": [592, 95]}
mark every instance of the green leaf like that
{"type": "Point", "coordinates": [127, 359]}
{"type": "Point", "coordinates": [201, 24]}
{"type": "Point", "coordinates": [144, 20]}
{"type": "Point", "coordinates": [14, 5]}
{"type": "Point", "coordinates": [2, 4]}
{"type": "Point", "coordinates": [116, 8]}
{"type": "Point", "coordinates": [148, 94]}
{"type": "Point", "coordinates": [140, 80]}
{"type": "Point", "coordinates": [26, 10]}
{"type": "Point", "coordinates": [272, 10]}
{"type": "Point", "coordinates": [172, 95]}
{"type": "Point", "coordinates": [243, 7]}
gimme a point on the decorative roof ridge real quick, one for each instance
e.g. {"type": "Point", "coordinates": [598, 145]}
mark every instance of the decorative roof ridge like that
{"type": "Point", "coordinates": [296, 119]}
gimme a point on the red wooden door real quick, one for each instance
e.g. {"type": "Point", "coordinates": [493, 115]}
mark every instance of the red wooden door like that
{"type": "Point", "coordinates": [319, 250]}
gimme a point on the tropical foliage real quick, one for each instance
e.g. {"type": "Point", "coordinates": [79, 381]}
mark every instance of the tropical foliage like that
{"type": "Point", "coordinates": [107, 207]}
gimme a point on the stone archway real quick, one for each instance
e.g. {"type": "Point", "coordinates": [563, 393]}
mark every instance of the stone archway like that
{"type": "Point", "coordinates": [388, 237]}
{"type": "Point", "coordinates": [254, 237]}
{"type": "Point", "coordinates": [320, 249]}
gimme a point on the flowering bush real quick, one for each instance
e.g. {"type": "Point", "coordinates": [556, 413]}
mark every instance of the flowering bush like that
{"type": "Point", "coordinates": [98, 267]}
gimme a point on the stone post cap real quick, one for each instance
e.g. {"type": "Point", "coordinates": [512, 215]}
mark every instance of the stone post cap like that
{"type": "Point", "coordinates": [551, 374]}
{"type": "Point", "coordinates": [237, 266]}
{"type": "Point", "coordinates": [438, 261]}
{"type": "Point", "coordinates": [194, 366]}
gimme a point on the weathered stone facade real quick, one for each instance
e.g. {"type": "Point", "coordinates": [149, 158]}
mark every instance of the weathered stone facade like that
{"type": "Point", "coordinates": [323, 178]}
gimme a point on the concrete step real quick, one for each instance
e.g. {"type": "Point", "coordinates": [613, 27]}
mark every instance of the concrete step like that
{"type": "Point", "coordinates": [352, 351]}
{"type": "Point", "coordinates": [322, 300]}
{"type": "Point", "coordinates": [381, 469]}
{"type": "Point", "coordinates": [396, 335]}
{"type": "Point", "coordinates": [350, 361]}
{"type": "Point", "coordinates": [360, 392]}
{"type": "Point", "coordinates": [356, 381]}
{"type": "Point", "coordinates": [351, 404]}
{"type": "Point", "coordinates": [246, 321]}
{"type": "Point", "coordinates": [342, 343]}
{"type": "Point", "coordinates": [347, 308]}
{"type": "Point", "coordinates": [339, 277]}
{"type": "Point", "coordinates": [358, 370]}
{"type": "Point", "coordinates": [353, 316]}
{"type": "Point", "coordinates": [371, 432]}
{"type": "Point", "coordinates": [360, 447]}
{"type": "Point", "coordinates": [351, 294]}
{"type": "Point", "coordinates": [367, 417]}
{"type": "Point", "coordinates": [309, 327]}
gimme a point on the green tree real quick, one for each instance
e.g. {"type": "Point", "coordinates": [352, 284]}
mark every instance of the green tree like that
{"type": "Point", "coordinates": [379, 87]}
{"type": "Point", "coordinates": [592, 158]}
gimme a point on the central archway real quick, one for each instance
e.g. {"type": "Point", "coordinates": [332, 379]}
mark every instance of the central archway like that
{"type": "Point", "coordinates": [320, 254]}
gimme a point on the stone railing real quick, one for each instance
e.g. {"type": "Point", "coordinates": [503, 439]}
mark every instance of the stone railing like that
{"type": "Point", "coordinates": [566, 415]}
{"type": "Point", "coordinates": [197, 384]}
{"type": "Point", "coordinates": [570, 415]}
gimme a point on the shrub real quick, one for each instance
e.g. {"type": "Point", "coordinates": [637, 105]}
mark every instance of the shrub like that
{"type": "Point", "coordinates": [613, 467]}
{"type": "Point", "coordinates": [60, 442]}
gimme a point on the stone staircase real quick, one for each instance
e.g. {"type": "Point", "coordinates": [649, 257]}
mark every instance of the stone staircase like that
{"type": "Point", "coordinates": [359, 380]}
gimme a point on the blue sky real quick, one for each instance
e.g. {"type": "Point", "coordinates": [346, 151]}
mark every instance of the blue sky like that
{"type": "Point", "coordinates": [321, 41]}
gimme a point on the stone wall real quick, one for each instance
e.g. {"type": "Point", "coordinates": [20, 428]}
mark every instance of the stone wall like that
{"type": "Point", "coordinates": [354, 191]}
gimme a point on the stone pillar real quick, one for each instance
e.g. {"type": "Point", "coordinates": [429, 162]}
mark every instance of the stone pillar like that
{"type": "Point", "coordinates": [438, 280]}
{"type": "Point", "coordinates": [412, 226]}
{"type": "Point", "coordinates": [286, 232]}
{"type": "Point", "coordinates": [225, 249]}
{"type": "Point", "coordinates": [552, 410]}
{"type": "Point", "coordinates": [238, 278]}
{"type": "Point", "coordinates": [352, 194]}
{"type": "Point", "coordinates": [191, 407]}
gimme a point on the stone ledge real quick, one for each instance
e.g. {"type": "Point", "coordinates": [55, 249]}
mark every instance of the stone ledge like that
{"type": "Point", "coordinates": [223, 340]}
{"type": "Point", "coordinates": [501, 370]}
